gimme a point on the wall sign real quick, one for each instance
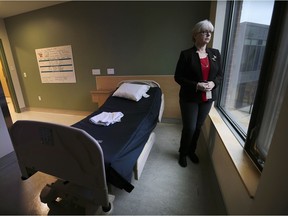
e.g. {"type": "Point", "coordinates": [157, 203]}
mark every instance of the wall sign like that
{"type": "Point", "coordinates": [56, 64]}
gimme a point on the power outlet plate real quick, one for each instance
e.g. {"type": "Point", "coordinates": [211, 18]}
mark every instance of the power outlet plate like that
{"type": "Point", "coordinates": [110, 71]}
{"type": "Point", "coordinates": [96, 72]}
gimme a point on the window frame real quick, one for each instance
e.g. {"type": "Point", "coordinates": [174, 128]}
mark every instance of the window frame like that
{"type": "Point", "coordinates": [248, 141]}
{"type": "Point", "coordinates": [265, 79]}
{"type": "Point", "coordinates": [229, 18]}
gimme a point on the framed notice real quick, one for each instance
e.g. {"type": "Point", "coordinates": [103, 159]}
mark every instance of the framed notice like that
{"type": "Point", "coordinates": [56, 64]}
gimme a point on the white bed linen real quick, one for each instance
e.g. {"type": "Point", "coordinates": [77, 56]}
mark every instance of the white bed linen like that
{"type": "Point", "coordinates": [107, 118]}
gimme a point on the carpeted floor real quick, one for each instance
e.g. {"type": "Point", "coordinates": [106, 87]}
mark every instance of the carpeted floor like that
{"type": "Point", "coordinates": [164, 187]}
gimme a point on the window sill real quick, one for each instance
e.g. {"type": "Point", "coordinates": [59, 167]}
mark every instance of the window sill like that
{"type": "Point", "coordinates": [246, 169]}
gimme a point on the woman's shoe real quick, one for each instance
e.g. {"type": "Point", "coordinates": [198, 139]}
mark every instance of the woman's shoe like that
{"type": "Point", "coordinates": [194, 158]}
{"type": "Point", "coordinates": [182, 161]}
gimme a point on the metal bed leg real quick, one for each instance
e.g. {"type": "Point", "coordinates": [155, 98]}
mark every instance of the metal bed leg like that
{"type": "Point", "coordinates": [98, 210]}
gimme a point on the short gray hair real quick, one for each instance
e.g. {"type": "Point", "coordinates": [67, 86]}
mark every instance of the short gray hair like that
{"type": "Point", "coordinates": [204, 25]}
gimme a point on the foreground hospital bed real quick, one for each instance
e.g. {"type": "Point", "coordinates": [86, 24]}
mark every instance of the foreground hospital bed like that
{"type": "Point", "coordinates": [89, 155]}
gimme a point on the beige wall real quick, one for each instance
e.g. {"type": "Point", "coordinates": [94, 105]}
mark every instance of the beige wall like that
{"type": "Point", "coordinates": [264, 194]}
{"type": "Point", "coordinates": [217, 135]}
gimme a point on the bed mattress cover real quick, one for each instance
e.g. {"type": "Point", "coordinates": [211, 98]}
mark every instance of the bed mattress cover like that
{"type": "Point", "coordinates": [122, 142]}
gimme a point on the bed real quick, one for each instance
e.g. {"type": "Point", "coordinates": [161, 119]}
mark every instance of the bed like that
{"type": "Point", "coordinates": [90, 155]}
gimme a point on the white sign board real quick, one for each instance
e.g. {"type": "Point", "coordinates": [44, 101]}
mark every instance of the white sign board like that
{"type": "Point", "coordinates": [56, 64]}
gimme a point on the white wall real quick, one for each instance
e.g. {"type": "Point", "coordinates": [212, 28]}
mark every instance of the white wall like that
{"type": "Point", "coordinates": [219, 18]}
{"type": "Point", "coordinates": [5, 141]}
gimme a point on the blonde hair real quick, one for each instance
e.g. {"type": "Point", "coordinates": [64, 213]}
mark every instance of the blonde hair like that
{"type": "Point", "coordinates": [204, 25]}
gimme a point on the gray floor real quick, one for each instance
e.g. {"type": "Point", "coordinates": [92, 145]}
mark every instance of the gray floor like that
{"type": "Point", "coordinates": [164, 187]}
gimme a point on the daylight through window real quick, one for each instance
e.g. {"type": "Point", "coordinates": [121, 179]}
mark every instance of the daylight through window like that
{"type": "Point", "coordinates": [249, 29]}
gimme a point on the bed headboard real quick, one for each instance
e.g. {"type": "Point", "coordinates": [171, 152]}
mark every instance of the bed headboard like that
{"type": "Point", "coordinates": [106, 84]}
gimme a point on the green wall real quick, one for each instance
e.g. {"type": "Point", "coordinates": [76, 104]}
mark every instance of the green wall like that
{"type": "Point", "coordinates": [134, 38]}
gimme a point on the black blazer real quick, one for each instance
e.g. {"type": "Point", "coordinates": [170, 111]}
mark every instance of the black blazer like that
{"type": "Point", "coordinates": [188, 73]}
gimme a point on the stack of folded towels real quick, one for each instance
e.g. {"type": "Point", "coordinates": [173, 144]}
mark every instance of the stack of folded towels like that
{"type": "Point", "coordinates": [107, 118]}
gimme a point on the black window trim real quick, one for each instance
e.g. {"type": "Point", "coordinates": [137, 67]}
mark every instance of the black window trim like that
{"type": "Point", "coordinates": [263, 83]}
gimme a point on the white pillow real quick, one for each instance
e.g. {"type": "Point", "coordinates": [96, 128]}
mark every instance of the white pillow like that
{"type": "Point", "coordinates": [131, 91]}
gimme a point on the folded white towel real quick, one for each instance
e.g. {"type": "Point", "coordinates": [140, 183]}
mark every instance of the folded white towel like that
{"type": "Point", "coordinates": [106, 118]}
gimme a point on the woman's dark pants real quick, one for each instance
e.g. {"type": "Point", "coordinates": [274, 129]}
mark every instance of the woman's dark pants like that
{"type": "Point", "coordinates": [193, 117]}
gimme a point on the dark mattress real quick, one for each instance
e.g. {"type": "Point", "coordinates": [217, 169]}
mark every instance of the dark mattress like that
{"type": "Point", "coordinates": [123, 142]}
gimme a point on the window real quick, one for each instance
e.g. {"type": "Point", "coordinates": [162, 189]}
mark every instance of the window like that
{"type": "Point", "coordinates": [245, 72]}
{"type": "Point", "coordinates": [246, 46]}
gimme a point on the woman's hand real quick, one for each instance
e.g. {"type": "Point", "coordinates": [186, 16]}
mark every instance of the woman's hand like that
{"type": "Point", "coordinates": [210, 85]}
{"type": "Point", "coordinates": [202, 86]}
{"type": "Point", "coordinates": [205, 86]}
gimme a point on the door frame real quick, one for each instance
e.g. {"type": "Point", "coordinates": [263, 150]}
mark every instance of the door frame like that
{"type": "Point", "coordinates": [7, 74]}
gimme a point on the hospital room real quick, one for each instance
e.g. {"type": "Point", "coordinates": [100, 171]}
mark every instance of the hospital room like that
{"type": "Point", "coordinates": [92, 111]}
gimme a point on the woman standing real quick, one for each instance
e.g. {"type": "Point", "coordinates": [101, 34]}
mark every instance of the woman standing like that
{"type": "Point", "coordinates": [198, 73]}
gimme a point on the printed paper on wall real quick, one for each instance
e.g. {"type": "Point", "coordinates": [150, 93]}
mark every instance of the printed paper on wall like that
{"type": "Point", "coordinates": [56, 64]}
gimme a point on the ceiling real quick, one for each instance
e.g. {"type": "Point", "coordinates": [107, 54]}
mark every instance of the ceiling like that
{"type": "Point", "coordinates": [11, 8]}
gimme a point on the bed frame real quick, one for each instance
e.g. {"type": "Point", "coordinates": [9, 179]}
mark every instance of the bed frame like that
{"type": "Point", "coordinates": [106, 84]}
{"type": "Point", "coordinates": [37, 143]}
{"type": "Point", "coordinates": [81, 172]}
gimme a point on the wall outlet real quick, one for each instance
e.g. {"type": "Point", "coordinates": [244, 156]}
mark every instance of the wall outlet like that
{"type": "Point", "coordinates": [96, 72]}
{"type": "Point", "coordinates": [110, 71]}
